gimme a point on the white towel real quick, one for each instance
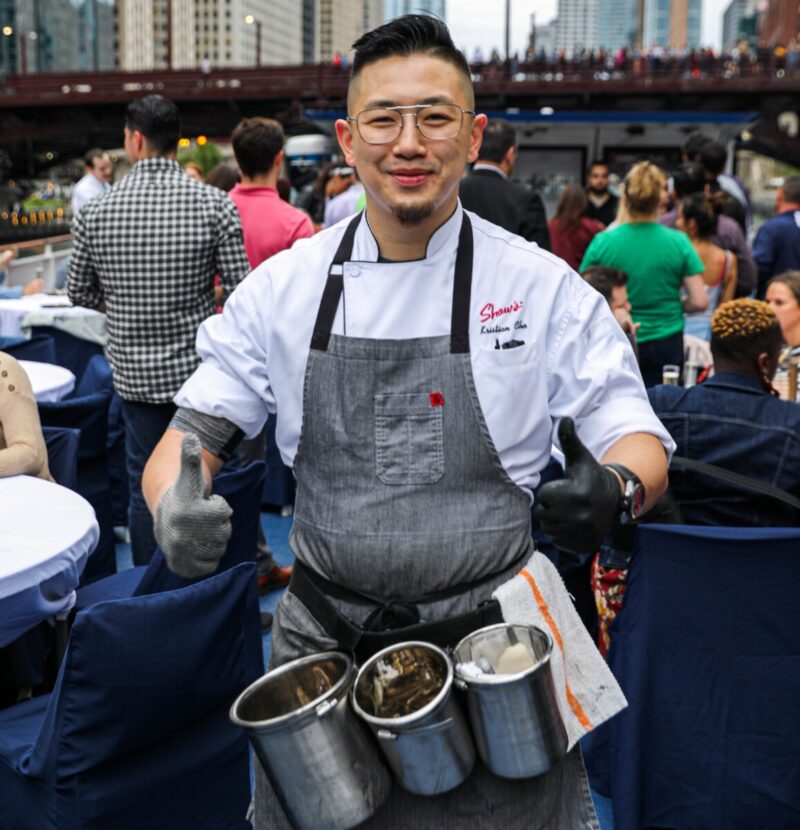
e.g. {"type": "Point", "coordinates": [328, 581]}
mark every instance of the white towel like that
{"type": "Point", "coordinates": [586, 690]}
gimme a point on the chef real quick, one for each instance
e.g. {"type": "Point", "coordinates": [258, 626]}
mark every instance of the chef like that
{"type": "Point", "coordinates": [421, 362]}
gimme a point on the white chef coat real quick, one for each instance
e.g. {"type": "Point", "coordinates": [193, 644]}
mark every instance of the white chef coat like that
{"type": "Point", "coordinates": [88, 188]}
{"type": "Point", "coordinates": [575, 360]}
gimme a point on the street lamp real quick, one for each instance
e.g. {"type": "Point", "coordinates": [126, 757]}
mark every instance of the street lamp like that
{"type": "Point", "coordinates": [250, 20]}
{"type": "Point", "coordinates": [8, 33]}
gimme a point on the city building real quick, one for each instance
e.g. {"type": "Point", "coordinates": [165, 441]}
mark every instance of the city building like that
{"type": "Point", "coordinates": [542, 38]}
{"type": "Point", "coordinates": [672, 24]}
{"type": "Point", "coordinates": [337, 23]}
{"type": "Point", "coordinates": [96, 50]}
{"type": "Point", "coordinates": [779, 23]}
{"type": "Point", "coordinates": [397, 8]}
{"type": "Point", "coordinates": [731, 23]}
{"type": "Point", "coordinates": [577, 25]}
{"type": "Point", "coordinates": [619, 24]}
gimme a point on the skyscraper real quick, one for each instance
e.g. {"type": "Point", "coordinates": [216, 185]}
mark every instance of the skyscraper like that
{"type": "Point", "coordinates": [397, 8]}
{"type": "Point", "coordinates": [731, 20]}
{"type": "Point", "coordinates": [577, 25]}
{"type": "Point", "coordinates": [337, 24]}
{"type": "Point", "coordinates": [618, 23]}
{"type": "Point", "coordinates": [780, 23]}
{"type": "Point", "coordinates": [673, 24]}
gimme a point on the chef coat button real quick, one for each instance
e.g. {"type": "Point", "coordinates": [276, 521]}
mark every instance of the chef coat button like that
{"type": "Point", "coordinates": [4, 373]}
{"type": "Point", "coordinates": [354, 271]}
{"type": "Point", "coordinates": [10, 387]}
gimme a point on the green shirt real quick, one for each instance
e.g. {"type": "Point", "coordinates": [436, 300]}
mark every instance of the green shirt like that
{"type": "Point", "coordinates": [656, 259]}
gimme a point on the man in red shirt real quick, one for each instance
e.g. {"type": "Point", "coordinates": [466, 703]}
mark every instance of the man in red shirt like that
{"type": "Point", "coordinates": [270, 225]}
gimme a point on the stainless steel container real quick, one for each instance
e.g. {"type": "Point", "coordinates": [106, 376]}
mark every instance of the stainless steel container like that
{"type": "Point", "coordinates": [515, 719]}
{"type": "Point", "coordinates": [430, 749]}
{"type": "Point", "coordinates": [324, 766]}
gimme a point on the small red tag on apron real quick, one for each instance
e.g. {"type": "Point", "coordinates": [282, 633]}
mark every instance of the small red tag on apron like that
{"type": "Point", "coordinates": [437, 399]}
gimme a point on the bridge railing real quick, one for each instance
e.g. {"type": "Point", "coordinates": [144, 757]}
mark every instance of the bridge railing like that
{"type": "Point", "coordinates": [318, 82]}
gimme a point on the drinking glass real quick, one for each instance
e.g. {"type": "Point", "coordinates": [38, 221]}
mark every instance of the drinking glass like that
{"type": "Point", "coordinates": [670, 374]}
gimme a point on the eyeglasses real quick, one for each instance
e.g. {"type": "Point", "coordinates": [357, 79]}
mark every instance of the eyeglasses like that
{"type": "Point", "coordinates": [437, 122]}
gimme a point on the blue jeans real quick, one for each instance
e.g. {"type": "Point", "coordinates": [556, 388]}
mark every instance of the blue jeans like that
{"type": "Point", "coordinates": [655, 354]}
{"type": "Point", "coordinates": [145, 423]}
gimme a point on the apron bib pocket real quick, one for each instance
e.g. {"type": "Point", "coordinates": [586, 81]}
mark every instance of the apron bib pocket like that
{"type": "Point", "coordinates": [408, 439]}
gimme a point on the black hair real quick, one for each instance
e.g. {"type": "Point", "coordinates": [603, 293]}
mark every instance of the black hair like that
{"type": "Point", "coordinates": [705, 210]}
{"type": "Point", "coordinates": [409, 35]}
{"type": "Point", "coordinates": [713, 156]}
{"type": "Point", "coordinates": [498, 137]}
{"type": "Point", "coordinates": [256, 142]}
{"type": "Point", "coordinates": [689, 177]}
{"type": "Point", "coordinates": [605, 279]}
{"type": "Point", "coordinates": [596, 163]}
{"type": "Point", "coordinates": [694, 144]}
{"type": "Point", "coordinates": [157, 119]}
{"type": "Point", "coordinates": [91, 155]}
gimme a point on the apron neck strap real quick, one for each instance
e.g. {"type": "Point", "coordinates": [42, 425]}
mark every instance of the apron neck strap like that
{"type": "Point", "coordinates": [462, 288]}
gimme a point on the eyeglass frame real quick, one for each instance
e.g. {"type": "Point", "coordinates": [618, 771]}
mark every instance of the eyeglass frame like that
{"type": "Point", "coordinates": [417, 108]}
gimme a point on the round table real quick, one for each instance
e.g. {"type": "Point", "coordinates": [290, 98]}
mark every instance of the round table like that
{"type": "Point", "coordinates": [47, 535]}
{"type": "Point", "coordinates": [50, 382]}
{"type": "Point", "coordinates": [48, 309]}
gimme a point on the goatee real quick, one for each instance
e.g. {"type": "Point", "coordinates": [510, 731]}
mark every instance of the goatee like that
{"type": "Point", "coordinates": [412, 215]}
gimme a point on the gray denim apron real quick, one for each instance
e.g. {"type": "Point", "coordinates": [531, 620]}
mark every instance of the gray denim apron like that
{"type": "Point", "coordinates": [401, 495]}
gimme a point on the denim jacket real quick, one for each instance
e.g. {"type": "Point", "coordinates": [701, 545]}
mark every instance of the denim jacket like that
{"type": "Point", "coordinates": [733, 422]}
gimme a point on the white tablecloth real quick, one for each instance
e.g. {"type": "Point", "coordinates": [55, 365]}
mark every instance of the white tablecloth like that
{"type": "Point", "coordinates": [50, 382]}
{"type": "Point", "coordinates": [49, 310]}
{"type": "Point", "coordinates": [46, 535]}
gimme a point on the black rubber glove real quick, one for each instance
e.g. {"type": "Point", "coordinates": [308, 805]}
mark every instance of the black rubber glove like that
{"type": "Point", "coordinates": [578, 510]}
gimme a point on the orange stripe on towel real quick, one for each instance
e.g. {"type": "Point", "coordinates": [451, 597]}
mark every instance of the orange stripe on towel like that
{"type": "Point", "coordinates": [540, 601]}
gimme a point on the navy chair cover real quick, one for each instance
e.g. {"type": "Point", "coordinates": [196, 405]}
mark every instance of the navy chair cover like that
{"type": "Point", "coordinates": [41, 348]}
{"type": "Point", "coordinates": [97, 378]}
{"type": "Point", "coordinates": [89, 414]}
{"type": "Point", "coordinates": [136, 732]}
{"type": "Point", "coordinates": [62, 454]}
{"type": "Point", "coordinates": [242, 490]}
{"type": "Point", "coordinates": [71, 352]}
{"type": "Point", "coordinates": [707, 651]}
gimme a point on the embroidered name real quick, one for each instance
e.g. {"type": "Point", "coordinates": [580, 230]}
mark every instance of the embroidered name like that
{"type": "Point", "coordinates": [490, 311]}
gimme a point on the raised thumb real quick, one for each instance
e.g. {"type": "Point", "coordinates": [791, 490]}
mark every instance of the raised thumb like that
{"type": "Point", "coordinates": [190, 483]}
{"type": "Point", "coordinates": [571, 445]}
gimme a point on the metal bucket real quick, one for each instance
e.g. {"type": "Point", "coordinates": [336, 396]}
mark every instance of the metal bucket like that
{"type": "Point", "coordinates": [430, 749]}
{"type": "Point", "coordinates": [323, 764]}
{"type": "Point", "coordinates": [515, 718]}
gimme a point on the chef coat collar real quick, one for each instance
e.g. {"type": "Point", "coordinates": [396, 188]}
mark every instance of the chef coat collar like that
{"type": "Point", "coordinates": [441, 244]}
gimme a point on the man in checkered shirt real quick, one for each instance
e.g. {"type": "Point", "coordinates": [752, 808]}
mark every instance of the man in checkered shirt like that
{"type": "Point", "coordinates": [146, 253]}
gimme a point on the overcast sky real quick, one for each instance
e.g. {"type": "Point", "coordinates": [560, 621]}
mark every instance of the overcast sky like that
{"type": "Point", "coordinates": [482, 22]}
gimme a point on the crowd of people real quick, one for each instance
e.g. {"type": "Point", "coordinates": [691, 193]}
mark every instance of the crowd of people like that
{"type": "Point", "coordinates": [427, 356]}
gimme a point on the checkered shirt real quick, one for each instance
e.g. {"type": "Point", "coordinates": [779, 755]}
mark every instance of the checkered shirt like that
{"type": "Point", "coordinates": [150, 248]}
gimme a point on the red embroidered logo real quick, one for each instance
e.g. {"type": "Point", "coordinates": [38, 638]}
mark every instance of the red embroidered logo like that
{"type": "Point", "coordinates": [490, 311]}
{"type": "Point", "coordinates": [437, 399]}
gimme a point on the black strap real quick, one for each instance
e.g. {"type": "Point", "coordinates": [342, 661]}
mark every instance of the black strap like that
{"type": "Point", "coordinates": [334, 287]}
{"type": "Point", "coordinates": [462, 289]}
{"type": "Point", "coordinates": [735, 478]}
{"type": "Point", "coordinates": [363, 643]}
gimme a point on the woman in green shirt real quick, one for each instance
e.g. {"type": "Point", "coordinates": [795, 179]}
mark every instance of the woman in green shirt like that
{"type": "Point", "coordinates": [658, 261]}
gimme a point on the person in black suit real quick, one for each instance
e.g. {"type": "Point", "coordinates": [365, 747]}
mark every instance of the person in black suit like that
{"type": "Point", "coordinates": [489, 192]}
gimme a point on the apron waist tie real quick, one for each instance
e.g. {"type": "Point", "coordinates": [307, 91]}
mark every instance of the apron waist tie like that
{"type": "Point", "coordinates": [392, 623]}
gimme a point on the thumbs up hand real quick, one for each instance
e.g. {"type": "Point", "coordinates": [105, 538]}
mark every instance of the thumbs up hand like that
{"type": "Point", "coordinates": [578, 510]}
{"type": "Point", "coordinates": [192, 528]}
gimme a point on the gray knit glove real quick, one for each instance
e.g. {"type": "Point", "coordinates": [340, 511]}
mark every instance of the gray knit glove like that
{"type": "Point", "coordinates": [192, 528]}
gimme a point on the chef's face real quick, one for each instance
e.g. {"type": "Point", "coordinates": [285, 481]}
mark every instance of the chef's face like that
{"type": "Point", "coordinates": [413, 179]}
